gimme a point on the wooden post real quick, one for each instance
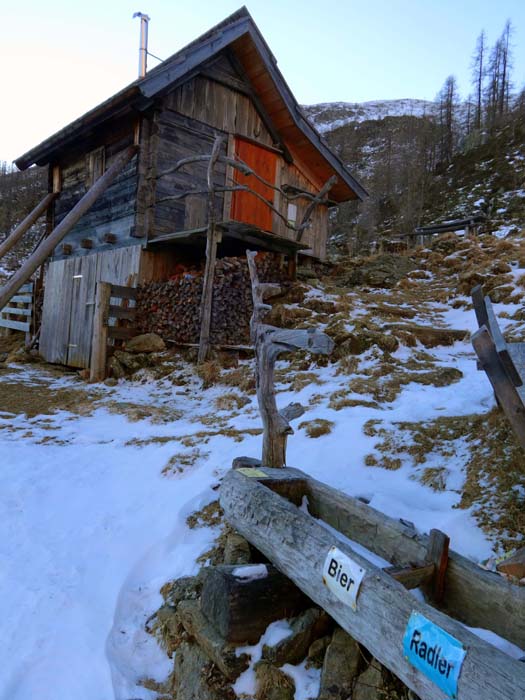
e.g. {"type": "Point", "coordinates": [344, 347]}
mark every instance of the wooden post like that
{"type": "Point", "coordinates": [46, 248]}
{"type": "Point", "coordinates": [212, 238]}
{"type": "Point", "coordinates": [26, 224]}
{"type": "Point", "coordinates": [100, 333]}
{"type": "Point", "coordinates": [269, 343]}
{"type": "Point", "coordinates": [300, 547]}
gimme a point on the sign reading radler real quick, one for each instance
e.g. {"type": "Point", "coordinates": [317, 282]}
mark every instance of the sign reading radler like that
{"type": "Point", "coordinates": [434, 652]}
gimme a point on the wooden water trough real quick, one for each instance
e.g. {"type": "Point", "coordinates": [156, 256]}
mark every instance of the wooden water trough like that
{"type": "Point", "coordinates": [309, 531]}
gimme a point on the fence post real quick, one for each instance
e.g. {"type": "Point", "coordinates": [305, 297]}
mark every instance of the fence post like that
{"type": "Point", "coordinates": [100, 333]}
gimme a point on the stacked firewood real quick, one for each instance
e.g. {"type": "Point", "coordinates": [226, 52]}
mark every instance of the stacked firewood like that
{"type": "Point", "coordinates": [172, 308]}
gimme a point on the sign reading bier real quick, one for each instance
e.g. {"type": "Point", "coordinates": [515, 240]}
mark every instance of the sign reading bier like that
{"type": "Point", "coordinates": [343, 576]}
{"type": "Point", "coordinates": [434, 652]}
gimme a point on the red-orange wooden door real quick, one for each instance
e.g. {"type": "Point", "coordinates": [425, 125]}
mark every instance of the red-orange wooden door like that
{"type": "Point", "coordinates": [245, 206]}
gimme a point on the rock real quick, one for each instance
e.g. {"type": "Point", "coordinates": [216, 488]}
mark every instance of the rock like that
{"type": "Point", "coordinates": [272, 683]}
{"type": "Point", "coordinates": [193, 674]}
{"type": "Point", "coordinates": [236, 550]}
{"type": "Point", "coordinates": [147, 342]}
{"type": "Point", "coordinates": [514, 565]}
{"type": "Point", "coordinates": [382, 271]}
{"type": "Point", "coordinates": [306, 628]}
{"type": "Point", "coordinates": [166, 625]}
{"type": "Point", "coordinates": [369, 685]}
{"type": "Point", "coordinates": [317, 651]}
{"type": "Point", "coordinates": [215, 647]}
{"type": "Point", "coordinates": [130, 361]}
{"type": "Point", "coordinates": [446, 243]}
{"type": "Point", "coordinates": [184, 588]}
{"type": "Point", "coordinates": [341, 665]}
{"type": "Point", "coordinates": [115, 369]}
{"type": "Point", "coordinates": [111, 381]}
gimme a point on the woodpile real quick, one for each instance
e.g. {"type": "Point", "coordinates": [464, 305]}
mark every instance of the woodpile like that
{"type": "Point", "coordinates": [172, 308]}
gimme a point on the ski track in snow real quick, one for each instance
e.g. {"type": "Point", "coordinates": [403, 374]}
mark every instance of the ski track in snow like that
{"type": "Point", "coordinates": [92, 529]}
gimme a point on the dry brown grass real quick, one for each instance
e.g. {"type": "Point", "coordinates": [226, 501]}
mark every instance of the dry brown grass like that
{"type": "Point", "coordinates": [231, 401]}
{"type": "Point", "coordinates": [317, 427]}
{"type": "Point", "coordinates": [243, 378]}
{"type": "Point", "coordinates": [37, 398]}
{"type": "Point", "coordinates": [210, 373]}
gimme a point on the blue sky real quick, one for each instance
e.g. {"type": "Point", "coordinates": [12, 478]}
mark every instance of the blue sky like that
{"type": "Point", "coordinates": [62, 57]}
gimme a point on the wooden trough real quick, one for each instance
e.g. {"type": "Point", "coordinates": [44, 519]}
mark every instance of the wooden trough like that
{"type": "Point", "coordinates": [312, 547]}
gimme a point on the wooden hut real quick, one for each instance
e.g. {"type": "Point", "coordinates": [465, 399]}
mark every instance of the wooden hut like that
{"type": "Point", "coordinates": [146, 218]}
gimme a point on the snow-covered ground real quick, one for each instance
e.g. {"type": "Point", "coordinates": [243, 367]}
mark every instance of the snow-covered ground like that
{"type": "Point", "coordinates": [94, 505]}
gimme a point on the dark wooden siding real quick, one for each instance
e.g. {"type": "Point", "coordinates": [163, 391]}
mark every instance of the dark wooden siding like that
{"type": "Point", "coordinates": [181, 137]}
{"type": "Point", "coordinates": [114, 211]}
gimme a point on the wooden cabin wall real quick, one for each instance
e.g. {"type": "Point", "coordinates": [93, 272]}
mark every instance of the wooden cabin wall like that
{"type": "Point", "coordinates": [192, 116]}
{"type": "Point", "coordinates": [114, 211]}
{"type": "Point", "coordinates": [315, 236]}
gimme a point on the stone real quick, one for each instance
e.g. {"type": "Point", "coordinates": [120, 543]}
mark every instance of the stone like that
{"type": "Point", "coordinates": [214, 646]}
{"type": "Point", "coordinates": [115, 369]}
{"type": "Point", "coordinates": [306, 628]}
{"type": "Point", "coordinates": [130, 361]}
{"type": "Point", "coordinates": [184, 588]}
{"type": "Point", "coordinates": [514, 565]}
{"type": "Point", "coordinates": [382, 271]}
{"type": "Point", "coordinates": [194, 679]}
{"type": "Point", "coordinates": [341, 666]}
{"type": "Point", "coordinates": [317, 651]}
{"type": "Point", "coordinates": [147, 342]}
{"type": "Point", "coordinates": [111, 381]}
{"type": "Point", "coordinates": [272, 683]}
{"type": "Point", "coordinates": [237, 550]}
{"type": "Point", "coordinates": [369, 685]}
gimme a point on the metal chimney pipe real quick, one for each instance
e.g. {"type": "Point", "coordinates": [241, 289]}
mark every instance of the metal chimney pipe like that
{"type": "Point", "coordinates": [143, 49]}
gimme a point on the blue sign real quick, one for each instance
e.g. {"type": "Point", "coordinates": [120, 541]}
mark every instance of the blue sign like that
{"type": "Point", "coordinates": [434, 652]}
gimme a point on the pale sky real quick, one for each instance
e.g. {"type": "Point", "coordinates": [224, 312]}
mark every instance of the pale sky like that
{"type": "Point", "coordinates": [62, 57]}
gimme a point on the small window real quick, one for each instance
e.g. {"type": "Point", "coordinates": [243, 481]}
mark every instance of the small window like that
{"type": "Point", "coordinates": [96, 163]}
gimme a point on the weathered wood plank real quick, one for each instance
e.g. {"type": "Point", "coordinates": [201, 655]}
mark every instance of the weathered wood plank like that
{"type": "Point", "coordinates": [121, 292]}
{"type": "Point", "coordinates": [500, 344]}
{"type": "Point", "coordinates": [14, 311]}
{"type": "Point", "coordinates": [241, 609]}
{"type": "Point", "coordinates": [299, 546]}
{"type": "Point", "coordinates": [121, 312]}
{"type": "Point", "coordinates": [504, 388]}
{"type": "Point", "coordinates": [15, 325]}
{"type": "Point", "coordinates": [477, 597]}
{"type": "Point", "coordinates": [97, 371]}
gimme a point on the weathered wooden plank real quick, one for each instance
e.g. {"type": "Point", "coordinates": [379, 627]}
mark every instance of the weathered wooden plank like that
{"type": "Point", "coordinates": [477, 597]}
{"type": "Point", "coordinates": [299, 546]}
{"type": "Point", "coordinates": [15, 325]}
{"type": "Point", "coordinates": [122, 292]}
{"type": "Point", "coordinates": [121, 333]}
{"type": "Point", "coordinates": [14, 311]}
{"type": "Point", "coordinates": [504, 388]}
{"type": "Point", "coordinates": [480, 309]}
{"type": "Point", "coordinates": [82, 311]}
{"type": "Point", "coordinates": [121, 312]}
{"type": "Point", "coordinates": [56, 313]}
{"type": "Point", "coordinates": [240, 608]}
{"type": "Point", "coordinates": [97, 370]}
{"type": "Point", "coordinates": [21, 299]}
{"type": "Point", "coordinates": [500, 344]}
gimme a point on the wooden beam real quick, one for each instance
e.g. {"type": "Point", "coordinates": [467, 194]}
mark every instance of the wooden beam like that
{"type": "Point", "coordinates": [120, 292]}
{"type": "Point", "coordinates": [46, 248]}
{"type": "Point", "coordinates": [26, 224]}
{"type": "Point", "coordinates": [212, 238]}
{"type": "Point", "coordinates": [378, 614]}
{"type": "Point", "coordinates": [475, 596]}
{"type": "Point", "coordinates": [97, 370]}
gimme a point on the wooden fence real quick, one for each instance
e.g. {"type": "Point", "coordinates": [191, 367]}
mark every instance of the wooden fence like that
{"type": "Point", "coordinates": [309, 532]}
{"type": "Point", "coordinates": [114, 316]}
{"type": "Point", "coordinates": [18, 315]}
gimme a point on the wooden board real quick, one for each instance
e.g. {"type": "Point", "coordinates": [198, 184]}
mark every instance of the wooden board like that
{"type": "Point", "coordinates": [245, 206]}
{"type": "Point", "coordinates": [67, 318]}
{"type": "Point", "coordinates": [300, 547]}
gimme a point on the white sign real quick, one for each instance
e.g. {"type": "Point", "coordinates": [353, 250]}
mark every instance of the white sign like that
{"type": "Point", "coordinates": [343, 576]}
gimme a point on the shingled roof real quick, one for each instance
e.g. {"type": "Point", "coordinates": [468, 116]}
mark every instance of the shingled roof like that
{"type": "Point", "coordinates": [240, 34]}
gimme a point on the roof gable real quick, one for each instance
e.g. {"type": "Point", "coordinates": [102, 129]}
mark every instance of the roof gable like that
{"type": "Point", "coordinates": [240, 35]}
